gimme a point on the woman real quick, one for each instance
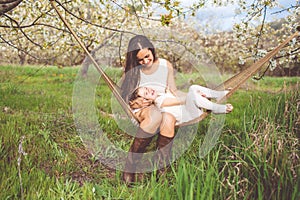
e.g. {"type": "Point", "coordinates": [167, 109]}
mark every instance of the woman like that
{"type": "Point", "coordinates": [142, 67]}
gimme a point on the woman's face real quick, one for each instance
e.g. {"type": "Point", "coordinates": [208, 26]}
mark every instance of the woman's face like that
{"type": "Point", "coordinates": [145, 57]}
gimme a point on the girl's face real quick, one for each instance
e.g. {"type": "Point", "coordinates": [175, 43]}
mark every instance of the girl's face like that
{"type": "Point", "coordinates": [145, 57]}
{"type": "Point", "coordinates": [147, 93]}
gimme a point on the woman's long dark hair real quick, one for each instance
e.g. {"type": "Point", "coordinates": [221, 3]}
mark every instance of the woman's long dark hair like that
{"type": "Point", "coordinates": [132, 67]}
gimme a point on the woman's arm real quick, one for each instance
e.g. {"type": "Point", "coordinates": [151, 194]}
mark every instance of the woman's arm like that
{"type": "Point", "coordinates": [171, 79]}
{"type": "Point", "coordinates": [172, 85]}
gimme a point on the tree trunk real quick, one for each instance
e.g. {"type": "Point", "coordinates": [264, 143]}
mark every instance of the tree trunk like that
{"type": "Point", "coordinates": [7, 5]}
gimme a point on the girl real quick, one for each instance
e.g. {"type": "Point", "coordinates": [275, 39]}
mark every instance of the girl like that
{"type": "Point", "coordinates": [183, 111]}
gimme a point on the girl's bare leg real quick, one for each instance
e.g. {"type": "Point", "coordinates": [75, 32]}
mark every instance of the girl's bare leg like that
{"type": "Point", "coordinates": [150, 119]}
{"type": "Point", "coordinates": [167, 127]}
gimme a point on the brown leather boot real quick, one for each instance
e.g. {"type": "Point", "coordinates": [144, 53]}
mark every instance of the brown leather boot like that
{"type": "Point", "coordinates": [138, 147]}
{"type": "Point", "coordinates": [164, 146]}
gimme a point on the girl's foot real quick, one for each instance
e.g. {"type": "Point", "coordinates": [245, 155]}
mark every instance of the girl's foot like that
{"type": "Point", "coordinates": [229, 108]}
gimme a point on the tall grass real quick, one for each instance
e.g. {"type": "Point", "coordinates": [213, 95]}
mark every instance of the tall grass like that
{"type": "Point", "coordinates": [257, 155]}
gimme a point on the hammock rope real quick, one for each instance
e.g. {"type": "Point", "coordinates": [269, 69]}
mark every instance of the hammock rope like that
{"type": "Point", "coordinates": [236, 81]}
{"type": "Point", "coordinates": [233, 83]}
{"type": "Point", "coordinates": [113, 87]}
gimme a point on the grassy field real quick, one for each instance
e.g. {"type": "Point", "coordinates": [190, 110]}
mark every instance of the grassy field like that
{"type": "Point", "coordinates": [43, 157]}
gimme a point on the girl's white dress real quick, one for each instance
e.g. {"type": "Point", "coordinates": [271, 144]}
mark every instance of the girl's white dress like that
{"type": "Point", "coordinates": [194, 104]}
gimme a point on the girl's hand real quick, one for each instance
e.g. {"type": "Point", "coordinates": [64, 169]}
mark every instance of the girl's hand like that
{"type": "Point", "coordinates": [146, 102]}
{"type": "Point", "coordinates": [140, 103]}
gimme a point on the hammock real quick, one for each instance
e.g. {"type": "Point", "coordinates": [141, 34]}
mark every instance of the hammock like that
{"type": "Point", "coordinates": [237, 80]}
{"type": "Point", "coordinates": [234, 83]}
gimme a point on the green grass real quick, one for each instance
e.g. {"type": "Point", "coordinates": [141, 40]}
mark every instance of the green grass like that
{"type": "Point", "coordinates": [256, 157]}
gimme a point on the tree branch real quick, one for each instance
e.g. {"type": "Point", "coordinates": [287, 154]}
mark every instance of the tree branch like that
{"type": "Point", "coordinates": [286, 9]}
{"type": "Point", "coordinates": [88, 22]}
{"type": "Point", "coordinates": [19, 49]}
{"type": "Point", "coordinates": [26, 36]}
{"type": "Point", "coordinates": [261, 29]}
{"type": "Point", "coordinates": [139, 16]}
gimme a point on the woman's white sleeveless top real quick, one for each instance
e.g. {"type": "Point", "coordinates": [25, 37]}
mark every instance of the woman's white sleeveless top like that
{"type": "Point", "coordinates": [158, 79]}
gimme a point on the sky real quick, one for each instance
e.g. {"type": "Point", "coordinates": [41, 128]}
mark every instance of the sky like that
{"type": "Point", "coordinates": [223, 18]}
